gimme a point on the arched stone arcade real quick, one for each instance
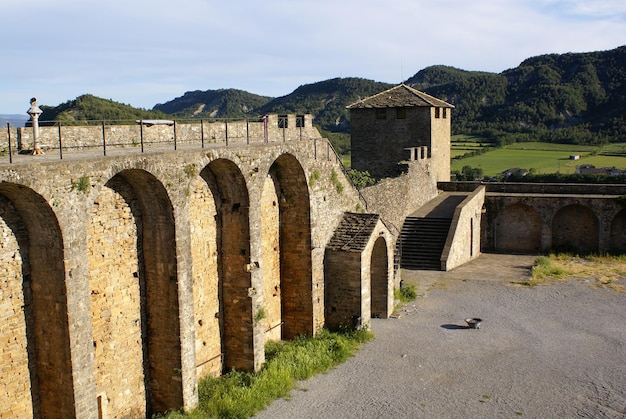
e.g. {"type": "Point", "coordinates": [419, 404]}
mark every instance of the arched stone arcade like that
{"type": "Point", "coordinates": [134, 296]}
{"type": "Point", "coordinates": [518, 229]}
{"type": "Point", "coordinates": [232, 246]}
{"type": "Point", "coordinates": [34, 333]}
{"type": "Point", "coordinates": [289, 189]}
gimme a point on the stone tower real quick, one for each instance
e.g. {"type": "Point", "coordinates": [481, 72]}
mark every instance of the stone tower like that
{"type": "Point", "coordinates": [387, 126]}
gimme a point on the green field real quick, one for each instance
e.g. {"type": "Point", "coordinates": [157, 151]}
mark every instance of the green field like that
{"type": "Point", "coordinates": [544, 158]}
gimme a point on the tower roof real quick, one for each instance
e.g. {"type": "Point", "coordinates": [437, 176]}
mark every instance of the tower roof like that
{"type": "Point", "coordinates": [400, 96]}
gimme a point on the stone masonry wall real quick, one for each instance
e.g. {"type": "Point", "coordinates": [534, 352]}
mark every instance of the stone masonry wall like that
{"type": "Point", "coordinates": [186, 132]}
{"type": "Point", "coordinates": [15, 380]}
{"type": "Point", "coordinates": [102, 299]}
{"type": "Point", "coordinates": [202, 215]}
{"type": "Point", "coordinates": [116, 306]}
{"type": "Point", "coordinates": [463, 243]}
{"type": "Point", "coordinates": [271, 318]}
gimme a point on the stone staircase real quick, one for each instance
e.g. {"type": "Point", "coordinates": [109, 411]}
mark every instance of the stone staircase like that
{"type": "Point", "coordinates": [422, 241]}
{"type": "Point", "coordinates": [424, 233]}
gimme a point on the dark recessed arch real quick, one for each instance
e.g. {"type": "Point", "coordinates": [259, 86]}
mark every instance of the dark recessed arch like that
{"type": "Point", "coordinates": [379, 274]}
{"type": "Point", "coordinates": [158, 281]}
{"type": "Point", "coordinates": [618, 233]}
{"type": "Point", "coordinates": [37, 231]}
{"type": "Point", "coordinates": [518, 229]}
{"type": "Point", "coordinates": [295, 246]}
{"type": "Point", "coordinates": [230, 194]}
{"type": "Point", "coordinates": [575, 229]}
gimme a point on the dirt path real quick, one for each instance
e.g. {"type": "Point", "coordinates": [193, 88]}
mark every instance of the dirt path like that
{"type": "Point", "coordinates": [550, 351]}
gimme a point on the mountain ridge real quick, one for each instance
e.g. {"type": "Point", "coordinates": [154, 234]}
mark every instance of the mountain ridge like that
{"type": "Point", "coordinates": [572, 97]}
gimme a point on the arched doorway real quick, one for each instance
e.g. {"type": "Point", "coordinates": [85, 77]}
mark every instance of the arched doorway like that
{"type": "Point", "coordinates": [575, 229]}
{"type": "Point", "coordinates": [379, 275]}
{"type": "Point", "coordinates": [37, 376]}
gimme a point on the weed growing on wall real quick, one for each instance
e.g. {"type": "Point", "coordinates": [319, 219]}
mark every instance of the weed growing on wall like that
{"type": "Point", "coordinates": [82, 184]}
{"type": "Point", "coordinates": [314, 177]}
{"type": "Point", "coordinates": [334, 179]}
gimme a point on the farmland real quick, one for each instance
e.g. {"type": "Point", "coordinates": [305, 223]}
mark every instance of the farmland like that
{"type": "Point", "coordinates": [541, 157]}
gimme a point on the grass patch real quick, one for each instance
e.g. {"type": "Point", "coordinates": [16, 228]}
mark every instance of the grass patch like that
{"type": "Point", "coordinates": [406, 293]}
{"type": "Point", "coordinates": [606, 271]}
{"type": "Point", "coordinates": [241, 395]}
{"type": "Point", "coordinates": [542, 269]}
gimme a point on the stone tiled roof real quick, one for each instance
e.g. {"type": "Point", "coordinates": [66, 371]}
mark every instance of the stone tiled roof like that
{"type": "Point", "coordinates": [354, 232]}
{"type": "Point", "coordinates": [400, 96]}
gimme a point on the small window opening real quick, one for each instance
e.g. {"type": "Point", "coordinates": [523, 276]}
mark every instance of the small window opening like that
{"type": "Point", "coordinates": [445, 113]}
{"type": "Point", "coordinates": [437, 112]}
{"type": "Point", "coordinates": [381, 113]}
{"type": "Point", "coordinates": [299, 121]}
{"type": "Point", "coordinates": [282, 121]}
{"type": "Point", "coordinates": [400, 113]}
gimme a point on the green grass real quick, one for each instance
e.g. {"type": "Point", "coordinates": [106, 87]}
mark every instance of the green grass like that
{"type": "Point", "coordinates": [543, 158]}
{"type": "Point", "coordinates": [569, 148]}
{"type": "Point", "coordinates": [241, 395]}
{"type": "Point", "coordinates": [405, 294]}
{"type": "Point", "coordinates": [542, 269]}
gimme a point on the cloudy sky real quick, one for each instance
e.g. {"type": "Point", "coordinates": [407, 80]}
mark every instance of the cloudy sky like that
{"type": "Point", "coordinates": [144, 52]}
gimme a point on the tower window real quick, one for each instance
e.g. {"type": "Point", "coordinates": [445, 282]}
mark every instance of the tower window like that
{"type": "Point", "coordinates": [300, 121]}
{"type": "Point", "coordinates": [437, 112]}
{"type": "Point", "coordinates": [400, 113]}
{"type": "Point", "coordinates": [445, 113]}
{"type": "Point", "coordinates": [381, 113]}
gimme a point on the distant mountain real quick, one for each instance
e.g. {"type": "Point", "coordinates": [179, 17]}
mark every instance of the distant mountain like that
{"type": "Point", "coordinates": [222, 103]}
{"type": "Point", "coordinates": [575, 97]}
{"type": "Point", "coordinates": [327, 100]}
{"type": "Point", "coordinates": [16, 120]}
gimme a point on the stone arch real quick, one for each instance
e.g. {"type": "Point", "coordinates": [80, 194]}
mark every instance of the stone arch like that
{"type": "Point", "coordinates": [134, 296]}
{"type": "Point", "coordinates": [294, 240]}
{"type": "Point", "coordinates": [575, 228]}
{"type": "Point", "coordinates": [518, 229]}
{"type": "Point", "coordinates": [379, 277]}
{"type": "Point", "coordinates": [38, 378]}
{"type": "Point", "coordinates": [232, 235]}
{"type": "Point", "coordinates": [618, 233]}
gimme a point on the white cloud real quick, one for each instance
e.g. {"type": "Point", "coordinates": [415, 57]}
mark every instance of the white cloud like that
{"type": "Point", "coordinates": [144, 52]}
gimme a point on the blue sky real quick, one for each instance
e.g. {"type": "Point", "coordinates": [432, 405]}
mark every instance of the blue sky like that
{"type": "Point", "coordinates": [144, 52]}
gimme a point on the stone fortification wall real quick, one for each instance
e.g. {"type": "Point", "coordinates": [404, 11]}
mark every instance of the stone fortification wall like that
{"type": "Point", "coordinates": [274, 128]}
{"type": "Point", "coordinates": [139, 237]}
{"type": "Point", "coordinates": [539, 217]}
{"type": "Point", "coordinates": [463, 243]}
{"type": "Point", "coordinates": [537, 188]}
{"type": "Point", "coordinates": [395, 198]}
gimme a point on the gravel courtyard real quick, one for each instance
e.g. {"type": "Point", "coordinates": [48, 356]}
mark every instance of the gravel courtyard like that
{"type": "Point", "coordinates": [550, 351]}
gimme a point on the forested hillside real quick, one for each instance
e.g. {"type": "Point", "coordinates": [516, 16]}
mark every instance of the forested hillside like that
{"type": "Point", "coordinates": [91, 108]}
{"type": "Point", "coordinates": [569, 98]}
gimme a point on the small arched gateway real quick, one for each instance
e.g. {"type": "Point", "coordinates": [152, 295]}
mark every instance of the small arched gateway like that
{"type": "Point", "coordinates": [358, 268]}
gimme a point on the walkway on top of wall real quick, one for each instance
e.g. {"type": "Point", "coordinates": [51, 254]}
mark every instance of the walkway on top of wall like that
{"type": "Point", "coordinates": [442, 206]}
